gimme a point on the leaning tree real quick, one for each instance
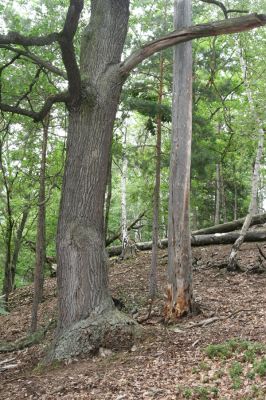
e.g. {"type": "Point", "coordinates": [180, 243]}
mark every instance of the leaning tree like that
{"type": "Point", "coordinates": [87, 317]}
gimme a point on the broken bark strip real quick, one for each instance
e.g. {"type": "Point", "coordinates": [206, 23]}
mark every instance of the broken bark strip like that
{"type": "Point", "coordinates": [231, 226]}
{"type": "Point", "coordinates": [199, 240]}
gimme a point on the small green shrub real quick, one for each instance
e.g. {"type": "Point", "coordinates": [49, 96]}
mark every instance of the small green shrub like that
{"type": "Point", "coordinates": [226, 349]}
{"type": "Point", "coordinates": [236, 383]}
{"type": "Point", "coordinates": [217, 350]}
{"type": "Point", "coordinates": [235, 370]}
{"type": "Point", "coordinates": [187, 393]}
{"type": "Point", "coordinates": [202, 392]}
{"type": "Point", "coordinates": [260, 367]}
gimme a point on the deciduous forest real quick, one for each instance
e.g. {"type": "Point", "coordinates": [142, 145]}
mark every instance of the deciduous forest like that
{"type": "Point", "coordinates": [132, 199]}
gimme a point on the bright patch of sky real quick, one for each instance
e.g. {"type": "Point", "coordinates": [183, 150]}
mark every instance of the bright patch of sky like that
{"type": "Point", "coordinates": [30, 11]}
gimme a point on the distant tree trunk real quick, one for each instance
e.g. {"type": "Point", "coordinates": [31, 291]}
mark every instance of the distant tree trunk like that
{"type": "Point", "coordinates": [235, 196]}
{"type": "Point", "coordinates": [218, 195]}
{"type": "Point", "coordinates": [179, 290]}
{"type": "Point", "coordinates": [223, 197]}
{"type": "Point", "coordinates": [108, 195]}
{"type": "Point", "coordinates": [17, 243]}
{"type": "Point", "coordinates": [124, 232]}
{"type": "Point", "coordinates": [7, 283]}
{"type": "Point", "coordinates": [40, 239]}
{"type": "Point", "coordinates": [232, 263]}
{"type": "Point", "coordinates": [156, 195]}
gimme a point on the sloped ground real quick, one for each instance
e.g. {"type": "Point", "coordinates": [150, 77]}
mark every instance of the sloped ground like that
{"type": "Point", "coordinates": [171, 362]}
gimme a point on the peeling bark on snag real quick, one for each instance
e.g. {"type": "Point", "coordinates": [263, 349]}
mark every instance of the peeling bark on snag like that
{"type": "Point", "coordinates": [179, 291]}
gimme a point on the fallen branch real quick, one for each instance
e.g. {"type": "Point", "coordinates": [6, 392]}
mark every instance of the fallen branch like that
{"type": "Point", "coordinates": [5, 367]}
{"type": "Point", "coordinates": [199, 240]}
{"type": "Point", "coordinates": [261, 252]}
{"type": "Point", "coordinates": [211, 320]}
{"type": "Point", "coordinates": [231, 226]}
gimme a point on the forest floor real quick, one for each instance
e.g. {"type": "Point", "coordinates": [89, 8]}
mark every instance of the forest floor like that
{"type": "Point", "coordinates": [218, 354]}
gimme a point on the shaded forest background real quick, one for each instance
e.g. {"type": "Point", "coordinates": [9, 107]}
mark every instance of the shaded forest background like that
{"type": "Point", "coordinates": [224, 129]}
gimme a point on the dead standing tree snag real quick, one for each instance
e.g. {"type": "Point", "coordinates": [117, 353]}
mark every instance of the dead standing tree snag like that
{"type": "Point", "coordinates": [87, 317]}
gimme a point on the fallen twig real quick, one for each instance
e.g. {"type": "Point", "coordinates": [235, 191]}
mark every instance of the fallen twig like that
{"type": "Point", "coordinates": [211, 320]}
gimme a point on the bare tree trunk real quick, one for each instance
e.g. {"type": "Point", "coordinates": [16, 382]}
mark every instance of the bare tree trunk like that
{"type": "Point", "coordinates": [40, 239]}
{"type": "Point", "coordinates": [235, 197]}
{"type": "Point", "coordinates": [232, 263]}
{"type": "Point", "coordinates": [223, 197]}
{"type": "Point", "coordinates": [124, 232]}
{"type": "Point", "coordinates": [108, 196]}
{"type": "Point", "coordinates": [179, 290]}
{"type": "Point", "coordinates": [17, 243]}
{"type": "Point", "coordinates": [218, 195]}
{"type": "Point", "coordinates": [7, 284]}
{"type": "Point", "coordinates": [156, 196]}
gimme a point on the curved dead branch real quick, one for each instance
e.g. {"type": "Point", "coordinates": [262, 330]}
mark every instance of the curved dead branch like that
{"type": "Point", "coordinates": [227, 26]}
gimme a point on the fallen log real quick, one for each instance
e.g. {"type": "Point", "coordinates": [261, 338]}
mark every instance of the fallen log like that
{"type": "Point", "coordinates": [231, 226]}
{"type": "Point", "coordinates": [199, 240]}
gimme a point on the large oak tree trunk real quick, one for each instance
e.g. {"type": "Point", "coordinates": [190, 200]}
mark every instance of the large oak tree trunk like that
{"type": "Point", "coordinates": [82, 277]}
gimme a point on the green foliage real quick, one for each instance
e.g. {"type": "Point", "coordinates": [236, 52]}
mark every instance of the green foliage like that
{"type": "Point", "coordinates": [227, 349]}
{"type": "Point", "coordinates": [2, 310]}
{"type": "Point", "coordinates": [260, 367]}
{"type": "Point", "coordinates": [247, 358]}
{"type": "Point", "coordinates": [199, 392]}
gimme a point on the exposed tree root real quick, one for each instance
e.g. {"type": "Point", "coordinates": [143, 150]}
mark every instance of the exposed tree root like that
{"type": "Point", "coordinates": [110, 330]}
{"type": "Point", "coordinates": [30, 340]}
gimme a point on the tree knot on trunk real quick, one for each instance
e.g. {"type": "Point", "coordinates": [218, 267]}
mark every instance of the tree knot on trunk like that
{"type": "Point", "coordinates": [89, 93]}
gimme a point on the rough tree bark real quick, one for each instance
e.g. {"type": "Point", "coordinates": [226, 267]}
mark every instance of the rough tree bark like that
{"type": "Point", "coordinates": [87, 316]}
{"type": "Point", "coordinates": [179, 291]}
{"type": "Point", "coordinates": [41, 233]}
